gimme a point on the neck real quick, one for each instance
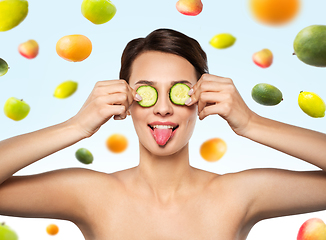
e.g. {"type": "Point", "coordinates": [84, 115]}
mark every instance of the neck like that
{"type": "Point", "coordinates": [164, 176]}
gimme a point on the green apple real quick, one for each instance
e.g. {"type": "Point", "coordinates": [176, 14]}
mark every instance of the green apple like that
{"type": "Point", "coordinates": [12, 13]}
{"type": "Point", "coordinates": [16, 109]}
{"type": "Point", "coordinates": [3, 67]}
{"type": "Point", "coordinates": [98, 11]}
{"type": "Point", "coordinates": [6, 233]}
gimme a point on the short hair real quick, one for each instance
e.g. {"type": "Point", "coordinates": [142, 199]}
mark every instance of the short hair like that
{"type": "Point", "coordinates": [167, 41]}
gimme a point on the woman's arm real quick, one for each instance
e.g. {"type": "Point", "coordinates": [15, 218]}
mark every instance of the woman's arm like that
{"type": "Point", "coordinates": [20, 151]}
{"type": "Point", "coordinates": [60, 193]}
{"type": "Point", "coordinates": [268, 192]}
{"type": "Point", "coordinates": [302, 143]}
{"type": "Point", "coordinates": [217, 95]}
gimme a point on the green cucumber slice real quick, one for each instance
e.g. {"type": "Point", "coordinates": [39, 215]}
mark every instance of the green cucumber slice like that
{"type": "Point", "coordinates": [179, 93]}
{"type": "Point", "coordinates": [148, 94]}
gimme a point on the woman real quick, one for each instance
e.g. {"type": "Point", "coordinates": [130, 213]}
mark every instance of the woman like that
{"type": "Point", "coordinates": [163, 197]}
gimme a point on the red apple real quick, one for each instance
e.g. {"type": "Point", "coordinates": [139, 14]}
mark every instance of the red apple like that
{"type": "Point", "coordinates": [28, 49]}
{"type": "Point", "coordinates": [189, 7]}
{"type": "Point", "coordinates": [263, 58]}
{"type": "Point", "coordinates": [312, 229]}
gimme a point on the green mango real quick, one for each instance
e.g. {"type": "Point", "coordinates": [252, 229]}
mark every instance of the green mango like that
{"type": "Point", "coordinates": [266, 94]}
{"type": "Point", "coordinates": [310, 45]}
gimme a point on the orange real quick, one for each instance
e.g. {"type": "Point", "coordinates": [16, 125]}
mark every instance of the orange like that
{"type": "Point", "coordinates": [213, 149]}
{"type": "Point", "coordinates": [274, 12]}
{"type": "Point", "coordinates": [52, 229]}
{"type": "Point", "coordinates": [74, 48]}
{"type": "Point", "coordinates": [117, 143]}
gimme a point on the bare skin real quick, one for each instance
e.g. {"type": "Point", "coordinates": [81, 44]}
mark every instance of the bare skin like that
{"type": "Point", "coordinates": [163, 197]}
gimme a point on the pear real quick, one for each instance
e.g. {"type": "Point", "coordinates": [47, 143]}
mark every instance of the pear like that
{"type": "Point", "coordinates": [6, 233]}
{"type": "Point", "coordinates": [98, 11]}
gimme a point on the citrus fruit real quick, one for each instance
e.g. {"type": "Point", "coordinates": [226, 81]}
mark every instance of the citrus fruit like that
{"type": "Point", "coordinates": [117, 143]}
{"type": "Point", "coordinates": [74, 48]}
{"type": "Point", "coordinates": [16, 109]}
{"type": "Point", "coordinates": [3, 67]}
{"type": "Point", "coordinates": [65, 89]}
{"type": "Point", "coordinates": [274, 12]}
{"type": "Point", "coordinates": [98, 11]}
{"type": "Point", "coordinates": [311, 104]}
{"type": "Point", "coordinates": [52, 229]}
{"type": "Point", "coordinates": [222, 40]}
{"type": "Point", "coordinates": [310, 45]}
{"type": "Point", "coordinates": [84, 156]}
{"type": "Point", "coordinates": [12, 13]}
{"type": "Point", "coordinates": [213, 149]}
{"type": "Point", "coordinates": [266, 94]}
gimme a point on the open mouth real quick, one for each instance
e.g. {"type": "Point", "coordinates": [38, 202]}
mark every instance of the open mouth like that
{"type": "Point", "coordinates": [162, 133]}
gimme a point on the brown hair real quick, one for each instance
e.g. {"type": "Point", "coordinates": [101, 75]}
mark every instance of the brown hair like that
{"type": "Point", "coordinates": [168, 41]}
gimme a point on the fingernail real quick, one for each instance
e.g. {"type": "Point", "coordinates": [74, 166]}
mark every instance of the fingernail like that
{"type": "Point", "coordinates": [188, 101]}
{"type": "Point", "coordinates": [118, 118]}
{"type": "Point", "coordinates": [138, 97]}
{"type": "Point", "coordinates": [191, 91]}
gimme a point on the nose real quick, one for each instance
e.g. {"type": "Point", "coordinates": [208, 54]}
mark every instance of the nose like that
{"type": "Point", "coordinates": [163, 106]}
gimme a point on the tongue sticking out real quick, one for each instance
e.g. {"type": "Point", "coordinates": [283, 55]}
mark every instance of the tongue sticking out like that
{"type": "Point", "coordinates": [161, 136]}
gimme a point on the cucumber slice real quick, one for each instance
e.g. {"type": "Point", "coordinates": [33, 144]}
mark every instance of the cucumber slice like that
{"type": "Point", "coordinates": [148, 94]}
{"type": "Point", "coordinates": [179, 93]}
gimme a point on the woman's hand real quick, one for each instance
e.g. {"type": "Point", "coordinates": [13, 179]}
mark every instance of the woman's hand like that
{"type": "Point", "coordinates": [218, 95]}
{"type": "Point", "coordinates": [108, 98]}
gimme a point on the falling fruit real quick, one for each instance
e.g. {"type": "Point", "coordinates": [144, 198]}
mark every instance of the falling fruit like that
{"type": "Point", "coordinates": [52, 229]}
{"type": "Point", "coordinates": [29, 49]}
{"type": "Point", "coordinates": [84, 156]}
{"type": "Point", "coordinates": [6, 233]}
{"type": "Point", "coordinates": [274, 12]}
{"type": "Point", "coordinates": [16, 109]}
{"type": "Point", "coordinates": [222, 40]}
{"type": "Point", "coordinates": [312, 229]}
{"type": "Point", "coordinates": [266, 94]}
{"type": "Point", "coordinates": [74, 48]}
{"type": "Point", "coordinates": [65, 89]}
{"type": "Point", "coordinates": [263, 58]}
{"type": "Point", "coordinates": [310, 45]}
{"type": "Point", "coordinates": [189, 7]}
{"type": "Point", "coordinates": [98, 11]}
{"type": "Point", "coordinates": [3, 67]}
{"type": "Point", "coordinates": [12, 13]}
{"type": "Point", "coordinates": [213, 149]}
{"type": "Point", "coordinates": [117, 143]}
{"type": "Point", "coordinates": [311, 104]}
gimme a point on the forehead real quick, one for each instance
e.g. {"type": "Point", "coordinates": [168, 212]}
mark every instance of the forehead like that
{"type": "Point", "coordinates": [161, 68]}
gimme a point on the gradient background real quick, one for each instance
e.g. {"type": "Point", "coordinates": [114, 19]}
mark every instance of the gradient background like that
{"type": "Point", "coordinates": [35, 80]}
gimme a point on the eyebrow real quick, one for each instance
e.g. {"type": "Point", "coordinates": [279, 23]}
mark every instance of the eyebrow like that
{"type": "Point", "coordinates": [153, 83]}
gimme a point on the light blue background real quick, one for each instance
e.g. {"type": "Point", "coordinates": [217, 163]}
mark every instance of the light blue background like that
{"type": "Point", "coordinates": [35, 80]}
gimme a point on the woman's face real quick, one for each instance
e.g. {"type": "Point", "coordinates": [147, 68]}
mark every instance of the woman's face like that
{"type": "Point", "coordinates": [162, 71]}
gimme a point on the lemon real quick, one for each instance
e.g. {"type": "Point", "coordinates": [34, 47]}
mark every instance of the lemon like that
{"type": "Point", "coordinates": [222, 40]}
{"type": "Point", "coordinates": [12, 13]}
{"type": "Point", "coordinates": [84, 156]}
{"type": "Point", "coordinates": [312, 104]}
{"type": "Point", "coordinates": [65, 89]}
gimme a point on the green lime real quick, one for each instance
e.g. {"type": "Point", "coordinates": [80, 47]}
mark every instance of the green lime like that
{"type": "Point", "coordinates": [266, 94]}
{"type": "Point", "coordinates": [222, 40]}
{"type": "Point", "coordinates": [65, 89]}
{"type": "Point", "coordinates": [84, 156]}
{"type": "Point", "coordinates": [312, 104]}
{"type": "Point", "coordinates": [3, 67]}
